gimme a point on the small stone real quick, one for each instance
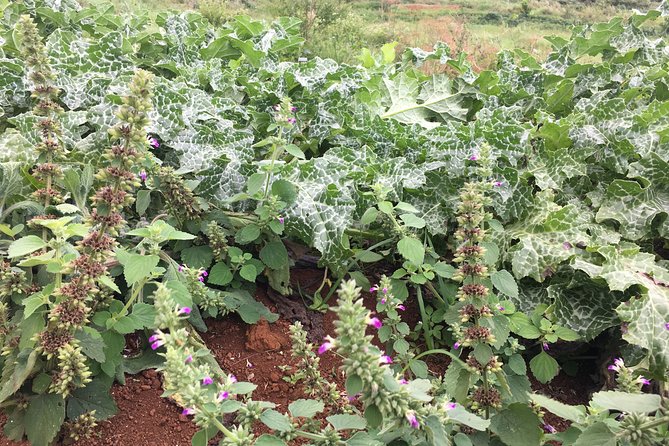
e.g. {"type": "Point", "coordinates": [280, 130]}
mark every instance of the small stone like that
{"type": "Point", "coordinates": [145, 387]}
{"type": "Point", "coordinates": [275, 377]}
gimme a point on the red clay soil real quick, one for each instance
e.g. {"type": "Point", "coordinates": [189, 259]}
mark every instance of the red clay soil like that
{"type": "Point", "coordinates": [254, 354]}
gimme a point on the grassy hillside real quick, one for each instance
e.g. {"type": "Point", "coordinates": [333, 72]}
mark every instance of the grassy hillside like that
{"type": "Point", "coordinates": [480, 28]}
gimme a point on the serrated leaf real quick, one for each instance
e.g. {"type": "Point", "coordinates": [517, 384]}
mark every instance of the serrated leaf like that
{"type": "Point", "coordinates": [274, 255]}
{"type": "Point", "coordinates": [517, 425]}
{"type": "Point", "coordinates": [544, 367]}
{"type": "Point", "coordinates": [412, 250]}
{"type": "Point", "coordinates": [305, 408]}
{"type": "Point", "coordinates": [505, 283]}
{"type": "Point", "coordinates": [346, 422]}
{"type": "Point", "coordinates": [220, 274]}
{"type": "Point", "coordinates": [43, 418]}
{"type": "Point", "coordinates": [275, 420]}
{"type": "Point", "coordinates": [25, 245]}
{"type": "Point", "coordinates": [627, 402]}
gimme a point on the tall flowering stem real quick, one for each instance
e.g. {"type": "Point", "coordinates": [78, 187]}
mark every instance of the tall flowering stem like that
{"type": "Point", "coordinates": [50, 148]}
{"type": "Point", "coordinates": [473, 294]}
{"type": "Point", "coordinates": [76, 299]}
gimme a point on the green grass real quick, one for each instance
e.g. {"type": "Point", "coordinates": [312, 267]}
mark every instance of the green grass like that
{"type": "Point", "coordinates": [478, 27]}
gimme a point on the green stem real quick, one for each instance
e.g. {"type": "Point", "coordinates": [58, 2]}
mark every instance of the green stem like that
{"type": "Point", "coordinates": [135, 293]}
{"type": "Point", "coordinates": [426, 322]}
{"type": "Point", "coordinates": [434, 291]}
{"type": "Point", "coordinates": [275, 155]}
{"type": "Point", "coordinates": [222, 428]}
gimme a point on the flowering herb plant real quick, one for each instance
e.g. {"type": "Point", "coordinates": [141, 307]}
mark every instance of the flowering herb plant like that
{"type": "Point", "coordinates": [155, 170]}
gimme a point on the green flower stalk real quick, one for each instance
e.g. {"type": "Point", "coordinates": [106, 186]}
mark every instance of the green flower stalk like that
{"type": "Point", "coordinates": [308, 370]}
{"type": "Point", "coordinates": [473, 294]}
{"type": "Point", "coordinates": [180, 201]}
{"type": "Point", "coordinates": [50, 149]}
{"type": "Point", "coordinates": [76, 299]}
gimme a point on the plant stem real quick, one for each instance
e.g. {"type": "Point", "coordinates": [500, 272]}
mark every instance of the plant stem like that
{"type": "Point", "coordinates": [434, 291]}
{"type": "Point", "coordinates": [426, 323]}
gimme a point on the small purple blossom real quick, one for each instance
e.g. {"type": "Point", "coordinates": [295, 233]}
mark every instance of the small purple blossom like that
{"type": "Point", "coordinates": [292, 120]}
{"type": "Point", "coordinates": [204, 274]}
{"type": "Point", "coordinates": [154, 338]}
{"type": "Point", "coordinates": [618, 364]}
{"type": "Point", "coordinates": [385, 359]}
{"type": "Point", "coordinates": [411, 418]}
{"type": "Point", "coordinates": [189, 359]}
{"type": "Point", "coordinates": [201, 279]}
{"type": "Point", "coordinates": [185, 310]}
{"type": "Point", "coordinates": [293, 109]}
{"type": "Point", "coordinates": [545, 346]}
{"type": "Point", "coordinates": [374, 289]}
{"type": "Point", "coordinates": [567, 246]}
{"type": "Point", "coordinates": [282, 219]}
{"type": "Point", "coordinates": [153, 142]}
{"type": "Point", "coordinates": [385, 290]}
{"type": "Point", "coordinates": [223, 395]}
{"type": "Point", "coordinates": [325, 346]}
{"type": "Point", "coordinates": [352, 398]}
{"type": "Point", "coordinates": [188, 411]}
{"type": "Point", "coordinates": [474, 157]}
{"type": "Point", "coordinates": [181, 268]}
{"type": "Point", "coordinates": [501, 308]}
{"type": "Point", "coordinates": [456, 346]}
{"type": "Point", "coordinates": [156, 345]}
{"type": "Point", "coordinates": [643, 381]}
{"type": "Point", "coordinates": [384, 300]}
{"type": "Point", "coordinates": [375, 322]}
{"type": "Point", "coordinates": [207, 381]}
{"type": "Point", "coordinates": [666, 326]}
{"type": "Point", "coordinates": [549, 429]}
{"type": "Point", "coordinates": [450, 406]}
{"type": "Point", "coordinates": [143, 175]}
{"type": "Point", "coordinates": [401, 307]}
{"type": "Point", "coordinates": [403, 381]}
{"type": "Point", "coordinates": [233, 379]}
{"type": "Point", "coordinates": [497, 184]}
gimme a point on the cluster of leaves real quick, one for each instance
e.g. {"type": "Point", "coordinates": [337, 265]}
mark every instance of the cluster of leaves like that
{"type": "Point", "coordinates": [361, 163]}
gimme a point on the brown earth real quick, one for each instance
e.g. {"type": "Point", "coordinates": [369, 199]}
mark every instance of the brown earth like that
{"type": "Point", "coordinates": [254, 354]}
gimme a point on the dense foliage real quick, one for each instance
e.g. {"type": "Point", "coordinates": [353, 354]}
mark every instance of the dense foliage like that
{"type": "Point", "coordinates": [152, 171]}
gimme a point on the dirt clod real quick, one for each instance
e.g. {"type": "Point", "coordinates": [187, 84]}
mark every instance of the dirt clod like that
{"type": "Point", "coordinates": [260, 338]}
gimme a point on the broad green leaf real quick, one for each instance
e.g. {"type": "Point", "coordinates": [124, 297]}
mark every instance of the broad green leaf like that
{"type": "Point", "coordinates": [575, 414]}
{"type": "Point", "coordinates": [197, 257]}
{"type": "Point", "coordinates": [95, 396]}
{"type": "Point", "coordinates": [346, 422]}
{"type": "Point", "coordinates": [517, 425]}
{"type": "Point", "coordinates": [544, 367]}
{"type": "Point", "coordinates": [136, 266]}
{"type": "Point", "coordinates": [412, 250]}
{"type": "Point", "coordinates": [44, 417]}
{"type": "Point", "coordinates": [220, 274]}
{"type": "Point", "coordinates": [627, 402]}
{"type": "Point", "coordinates": [25, 245]}
{"type": "Point", "coordinates": [460, 415]}
{"type": "Point", "coordinates": [597, 434]}
{"type": "Point", "coordinates": [275, 420]}
{"type": "Point", "coordinates": [504, 282]}
{"type": "Point", "coordinates": [305, 408]}
{"type": "Point", "coordinates": [274, 255]}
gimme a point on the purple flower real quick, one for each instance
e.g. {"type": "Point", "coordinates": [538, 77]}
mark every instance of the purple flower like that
{"type": "Point", "coordinates": [624, 326]}
{"type": "Point", "coordinates": [207, 380]}
{"type": "Point", "coordinates": [154, 338]}
{"type": "Point", "coordinates": [281, 219]}
{"type": "Point", "coordinates": [233, 379]}
{"type": "Point", "coordinates": [567, 246]}
{"type": "Point", "coordinates": [401, 307]}
{"type": "Point", "coordinates": [292, 120]}
{"type": "Point", "coordinates": [156, 345]}
{"type": "Point", "coordinates": [500, 308]}
{"type": "Point", "coordinates": [403, 381]}
{"type": "Point", "coordinates": [353, 398]}
{"type": "Point", "coordinates": [223, 396]}
{"type": "Point", "coordinates": [181, 268]}
{"type": "Point", "coordinates": [189, 359]}
{"type": "Point", "coordinates": [293, 109]}
{"type": "Point", "coordinates": [188, 411]}
{"type": "Point", "coordinates": [643, 381]}
{"type": "Point", "coordinates": [204, 274]}
{"type": "Point", "coordinates": [385, 359]}
{"type": "Point", "coordinates": [153, 142]}
{"type": "Point", "coordinates": [325, 346]}
{"type": "Point", "coordinates": [666, 326]}
{"type": "Point", "coordinates": [497, 184]}
{"type": "Point", "coordinates": [276, 107]}
{"type": "Point", "coordinates": [375, 322]}
{"type": "Point", "coordinates": [456, 346]}
{"type": "Point", "coordinates": [374, 289]}
{"type": "Point", "coordinates": [383, 301]}
{"type": "Point", "coordinates": [185, 310]}
{"type": "Point", "coordinates": [450, 406]}
{"type": "Point", "coordinates": [411, 418]}
{"type": "Point", "coordinates": [385, 290]}
{"type": "Point", "coordinates": [474, 157]}
{"type": "Point", "coordinates": [143, 175]}
{"type": "Point", "coordinates": [618, 363]}
{"type": "Point", "coordinates": [549, 429]}
{"type": "Point", "coordinates": [545, 346]}
{"type": "Point", "coordinates": [201, 279]}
